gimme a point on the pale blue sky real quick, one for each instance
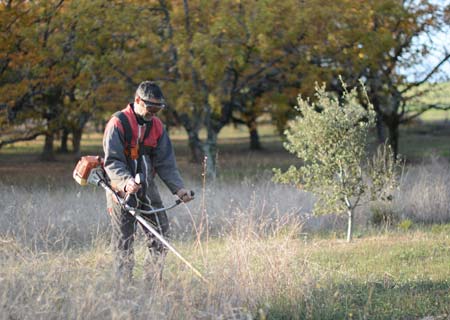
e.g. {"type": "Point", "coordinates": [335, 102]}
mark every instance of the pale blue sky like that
{"type": "Point", "coordinates": [441, 43]}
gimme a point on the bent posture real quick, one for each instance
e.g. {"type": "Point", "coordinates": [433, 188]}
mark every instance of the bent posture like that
{"type": "Point", "coordinates": [136, 143]}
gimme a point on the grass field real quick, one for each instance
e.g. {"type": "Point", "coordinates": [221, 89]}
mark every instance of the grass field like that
{"type": "Point", "coordinates": [393, 275]}
{"type": "Point", "coordinates": [265, 256]}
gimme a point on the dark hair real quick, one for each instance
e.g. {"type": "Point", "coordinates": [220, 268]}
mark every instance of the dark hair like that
{"type": "Point", "coordinates": [149, 90]}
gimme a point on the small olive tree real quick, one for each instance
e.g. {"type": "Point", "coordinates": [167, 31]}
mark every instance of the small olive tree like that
{"type": "Point", "coordinates": [330, 137]}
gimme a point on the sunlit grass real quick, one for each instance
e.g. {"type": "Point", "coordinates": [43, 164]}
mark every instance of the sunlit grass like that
{"type": "Point", "coordinates": [422, 142]}
{"type": "Point", "coordinates": [394, 275]}
{"type": "Point", "coordinates": [436, 115]}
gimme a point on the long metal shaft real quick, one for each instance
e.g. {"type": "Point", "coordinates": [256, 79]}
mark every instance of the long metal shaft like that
{"type": "Point", "coordinates": [167, 244]}
{"type": "Point", "coordinates": [137, 215]}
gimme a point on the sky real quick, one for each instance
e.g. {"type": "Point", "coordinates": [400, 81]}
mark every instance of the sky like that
{"type": "Point", "coordinates": [441, 44]}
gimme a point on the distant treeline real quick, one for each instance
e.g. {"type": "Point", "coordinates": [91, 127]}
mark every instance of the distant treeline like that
{"type": "Point", "coordinates": [64, 63]}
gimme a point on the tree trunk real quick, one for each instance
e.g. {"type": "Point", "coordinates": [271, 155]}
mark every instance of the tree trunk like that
{"type": "Point", "coordinates": [76, 140]}
{"type": "Point", "coordinates": [77, 132]}
{"type": "Point", "coordinates": [48, 153]}
{"type": "Point", "coordinates": [192, 127]}
{"type": "Point", "coordinates": [195, 145]}
{"type": "Point", "coordinates": [64, 138]}
{"type": "Point", "coordinates": [380, 129]}
{"type": "Point", "coordinates": [210, 151]}
{"type": "Point", "coordinates": [255, 143]}
{"type": "Point", "coordinates": [349, 225]}
{"type": "Point", "coordinates": [393, 127]}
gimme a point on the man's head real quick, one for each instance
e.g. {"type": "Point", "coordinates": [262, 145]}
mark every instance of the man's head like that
{"type": "Point", "coordinates": [148, 100]}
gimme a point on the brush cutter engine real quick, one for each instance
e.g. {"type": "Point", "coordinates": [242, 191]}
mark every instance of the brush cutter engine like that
{"type": "Point", "coordinates": [89, 170]}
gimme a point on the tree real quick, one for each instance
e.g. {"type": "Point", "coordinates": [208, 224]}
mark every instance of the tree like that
{"type": "Point", "coordinates": [93, 90]}
{"type": "Point", "coordinates": [35, 69]}
{"type": "Point", "coordinates": [55, 68]}
{"type": "Point", "coordinates": [377, 41]}
{"type": "Point", "coordinates": [224, 57]}
{"type": "Point", "coordinates": [17, 88]}
{"type": "Point", "coordinates": [218, 61]}
{"type": "Point", "coordinates": [330, 138]}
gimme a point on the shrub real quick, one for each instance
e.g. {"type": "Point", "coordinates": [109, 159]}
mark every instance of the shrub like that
{"type": "Point", "coordinates": [330, 137]}
{"type": "Point", "coordinates": [405, 225]}
{"type": "Point", "coordinates": [383, 214]}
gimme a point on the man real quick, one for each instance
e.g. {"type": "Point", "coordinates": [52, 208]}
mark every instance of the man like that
{"type": "Point", "coordinates": [136, 144]}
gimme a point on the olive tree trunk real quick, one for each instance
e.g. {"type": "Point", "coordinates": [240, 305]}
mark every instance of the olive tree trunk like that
{"type": "Point", "coordinates": [349, 225]}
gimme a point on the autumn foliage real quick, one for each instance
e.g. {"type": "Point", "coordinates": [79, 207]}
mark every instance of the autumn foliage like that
{"type": "Point", "coordinates": [64, 63]}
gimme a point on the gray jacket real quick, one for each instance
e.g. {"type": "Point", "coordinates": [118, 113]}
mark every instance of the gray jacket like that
{"type": "Point", "coordinates": [157, 158]}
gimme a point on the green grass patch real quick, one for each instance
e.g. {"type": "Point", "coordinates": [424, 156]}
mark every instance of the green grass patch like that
{"type": "Point", "coordinates": [422, 142]}
{"type": "Point", "coordinates": [431, 94]}
{"type": "Point", "coordinates": [398, 275]}
{"type": "Point", "coordinates": [389, 277]}
{"type": "Point", "coordinates": [436, 116]}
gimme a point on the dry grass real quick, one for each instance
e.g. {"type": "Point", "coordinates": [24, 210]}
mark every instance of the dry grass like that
{"type": "Point", "coordinates": [245, 271]}
{"type": "Point", "coordinates": [253, 240]}
{"type": "Point", "coordinates": [56, 262]}
{"type": "Point", "coordinates": [425, 194]}
{"type": "Point", "coordinates": [252, 276]}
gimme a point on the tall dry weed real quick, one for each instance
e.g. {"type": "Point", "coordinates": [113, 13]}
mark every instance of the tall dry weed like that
{"type": "Point", "coordinates": [425, 192]}
{"type": "Point", "coordinates": [246, 271]}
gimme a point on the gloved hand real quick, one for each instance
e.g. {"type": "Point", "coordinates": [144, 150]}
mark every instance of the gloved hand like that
{"type": "Point", "coordinates": [132, 186]}
{"type": "Point", "coordinates": [184, 195]}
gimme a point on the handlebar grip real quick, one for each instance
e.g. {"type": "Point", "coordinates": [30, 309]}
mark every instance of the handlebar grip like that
{"type": "Point", "coordinates": [138, 178]}
{"type": "Point", "coordinates": [180, 201]}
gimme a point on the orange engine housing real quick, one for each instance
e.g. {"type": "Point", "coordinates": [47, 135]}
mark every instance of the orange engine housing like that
{"type": "Point", "coordinates": [84, 167]}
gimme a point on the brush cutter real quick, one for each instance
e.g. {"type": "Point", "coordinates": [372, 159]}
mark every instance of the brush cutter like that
{"type": "Point", "coordinates": [89, 170]}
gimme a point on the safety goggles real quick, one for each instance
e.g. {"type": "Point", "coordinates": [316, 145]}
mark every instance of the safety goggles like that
{"type": "Point", "coordinates": [153, 107]}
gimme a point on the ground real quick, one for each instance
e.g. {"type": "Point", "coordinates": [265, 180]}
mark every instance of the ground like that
{"type": "Point", "coordinates": [263, 256]}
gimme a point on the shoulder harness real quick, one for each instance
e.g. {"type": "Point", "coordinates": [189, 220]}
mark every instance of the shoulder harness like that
{"type": "Point", "coordinates": [138, 150]}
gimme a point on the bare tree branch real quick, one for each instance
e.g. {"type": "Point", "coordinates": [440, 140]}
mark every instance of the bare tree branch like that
{"type": "Point", "coordinates": [436, 68]}
{"type": "Point", "coordinates": [28, 137]}
{"type": "Point", "coordinates": [258, 72]}
{"type": "Point", "coordinates": [416, 114]}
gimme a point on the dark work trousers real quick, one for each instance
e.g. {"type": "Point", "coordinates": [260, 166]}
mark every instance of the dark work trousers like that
{"type": "Point", "coordinates": [124, 227]}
